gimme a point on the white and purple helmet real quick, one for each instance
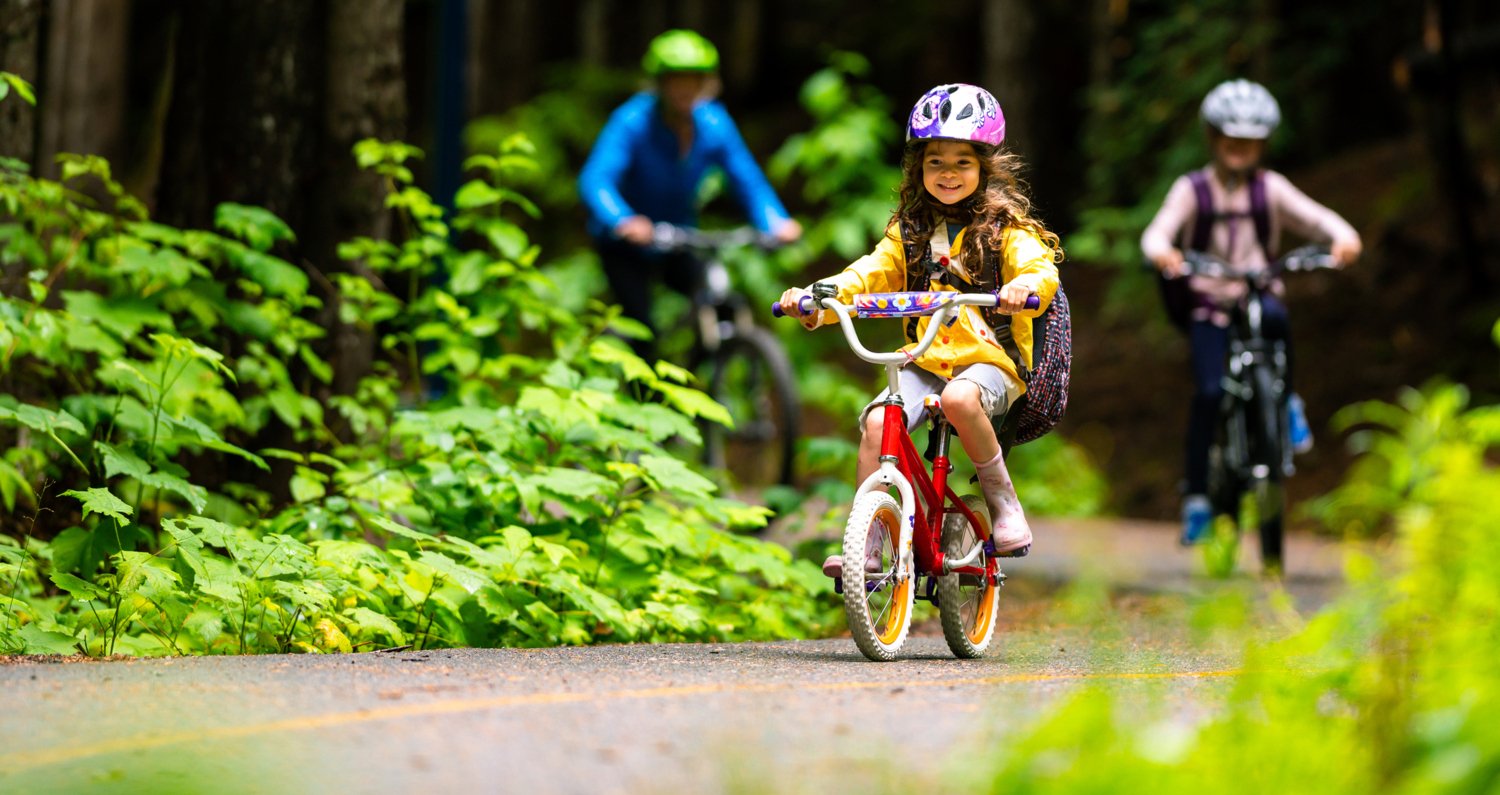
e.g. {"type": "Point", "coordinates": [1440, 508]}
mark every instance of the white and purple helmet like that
{"type": "Point", "coordinates": [960, 112]}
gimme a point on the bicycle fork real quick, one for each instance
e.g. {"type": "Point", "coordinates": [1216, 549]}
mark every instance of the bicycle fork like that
{"type": "Point", "coordinates": [889, 473]}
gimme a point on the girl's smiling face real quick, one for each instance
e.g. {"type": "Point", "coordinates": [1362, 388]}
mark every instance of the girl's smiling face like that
{"type": "Point", "coordinates": [950, 170]}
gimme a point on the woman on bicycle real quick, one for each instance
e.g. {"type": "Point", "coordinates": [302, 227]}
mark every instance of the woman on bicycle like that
{"type": "Point", "coordinates": [963, 223]}
{"type": "Point", "coordinates": [1234, 210]}
{"type": "Point", "coordinates": [646, 167]}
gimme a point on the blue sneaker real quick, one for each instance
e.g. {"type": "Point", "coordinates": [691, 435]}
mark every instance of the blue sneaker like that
{"type": "Point", "coordinates": [1296, 420]}
{"type": "Point", "coordinates": [1197, 514]}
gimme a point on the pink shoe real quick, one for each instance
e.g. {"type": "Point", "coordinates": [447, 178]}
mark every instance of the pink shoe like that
{"type": "Point", "coordinates": [1011, 542]}
{"type": "Point", "coordinates": [834, 566]}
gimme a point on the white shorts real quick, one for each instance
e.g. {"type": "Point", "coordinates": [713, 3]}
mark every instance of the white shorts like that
{"type": "Point", "coordinates": [998, 391]}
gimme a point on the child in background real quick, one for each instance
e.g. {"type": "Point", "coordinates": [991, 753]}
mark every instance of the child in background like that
{"type": "Point", "coordinates": [963, 223]}
{"type": "Point", "coordinates": [1235, 211]}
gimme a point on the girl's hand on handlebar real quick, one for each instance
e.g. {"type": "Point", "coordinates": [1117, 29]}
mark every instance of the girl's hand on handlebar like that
{"type": "Point", "coordinates": [1011, 298]}
{"type": "Point", "coordinates": [1345, 252]}
{"type": "Point", "coordinates": [1170, 264]}
{"type": "Point", "coordinates": [791, 304]}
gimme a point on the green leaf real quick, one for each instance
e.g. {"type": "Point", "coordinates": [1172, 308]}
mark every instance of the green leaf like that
{"type": "Point", "coordinates": [196, 496]}
{"type": "Point", "coordinates": [125, 316]}
{"type": "Point", "coordinates": [475, 193]}
{"type": "Point", "coordinates": [258, 227]}
{"type": "Point", "coordinates": [696, 404]}
{"type": "Point", "coordinates": [672, 475]}
{"type": "Point", "coordinates": [42, 420]}
{"type": "Point", "coordinates": [367, 619]}
{"type": "Point", "coordinates": [119, 462]}
{"type": "Point", "coordinates": [23, 89]}
{"type": "Point", "coordinates": [276, 275]}
{"type": "Point", "coordinates": [403, 531]}
{"type": "Point", "coordinates": [41, 641]}
{"type": "Point", "coordinates": [101, 501]}
{"type": "Point", "coordinates": [305, 488]}
{"type": "Point", "coordinates": [78, 588]}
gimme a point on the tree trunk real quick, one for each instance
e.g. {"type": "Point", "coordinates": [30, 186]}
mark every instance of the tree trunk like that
{"type": "Point", "coordinates": [742, 46]}
{"type": "Point", "coordinates": [20, 22]}
{"type": "Point", "coordinates": [593, 32]}
{"type": "Point", "coordinates": [242, 127]}
{"type": "Point", "coordinates": [1009, 27]}
{"type": "Point", "coordinates": [366, 99]}
{"type": "Point", "coordinates": [85, 108]}
{"type": "Point", "coordinates": [503, 60]}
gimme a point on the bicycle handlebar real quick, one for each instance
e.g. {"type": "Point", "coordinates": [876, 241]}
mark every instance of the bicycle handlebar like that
{"type": "Point", "coordinates": [672, 238]}
{"type": "Point", "coordinates": [939, 313]}
{"type": "Point", "coordinates": [1306, 258]}
{"type": "Point", "coordinates": [806, 305]}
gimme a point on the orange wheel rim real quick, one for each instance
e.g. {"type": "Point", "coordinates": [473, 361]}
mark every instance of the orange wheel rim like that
{"type": "Point", "coordinates": [888, 630]}
{"type": "Point", "coordinates": [984, 613]}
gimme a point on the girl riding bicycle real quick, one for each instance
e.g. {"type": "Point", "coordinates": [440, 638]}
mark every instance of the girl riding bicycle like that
{"type": "Point", "coordinates": [1235, 211]}
{"type": "Point", "coordinates": [963, 224]}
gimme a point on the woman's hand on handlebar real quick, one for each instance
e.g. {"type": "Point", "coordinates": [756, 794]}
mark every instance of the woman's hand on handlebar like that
{"type": "Point", "coordinates": [788, 232]}
{"type": "Point", "coordinates": [1011, 297]}
{"type": "Point", "coordinates": [1170, 264]}
{"type": "Point", "coordinates": [636, 229]}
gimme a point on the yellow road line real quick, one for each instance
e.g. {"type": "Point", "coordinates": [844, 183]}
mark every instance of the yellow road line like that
{"type": "Point", "coordinates": [15, 762]}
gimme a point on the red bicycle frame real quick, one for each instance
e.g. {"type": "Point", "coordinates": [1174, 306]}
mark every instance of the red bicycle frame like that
{"type": "Point", "coordinates": [896, 445]}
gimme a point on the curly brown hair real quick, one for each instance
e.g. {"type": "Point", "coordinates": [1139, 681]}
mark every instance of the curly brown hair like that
{"type": "Point", "coordinates": [999, 203]}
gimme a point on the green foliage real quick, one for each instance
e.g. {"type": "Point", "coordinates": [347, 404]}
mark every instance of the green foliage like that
{"type": "Point", "coordinates": [501, 479]}
{"type": "Point", "coordinates": [1391, 689]}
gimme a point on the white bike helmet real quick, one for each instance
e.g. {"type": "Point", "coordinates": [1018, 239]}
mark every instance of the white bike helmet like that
{"type": "Point", "coordinates": [1241, 109]}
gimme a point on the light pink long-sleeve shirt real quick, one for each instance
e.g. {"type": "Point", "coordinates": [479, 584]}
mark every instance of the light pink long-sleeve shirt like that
{"type": "Point", "coordinates": [1233, 239]}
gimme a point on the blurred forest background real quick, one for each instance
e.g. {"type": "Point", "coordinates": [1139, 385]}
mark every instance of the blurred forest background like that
{"type": "Point", "coordinates": [1390, 119]}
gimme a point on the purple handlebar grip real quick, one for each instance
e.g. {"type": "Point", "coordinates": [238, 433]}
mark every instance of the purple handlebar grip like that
{"type": "Point", "coordinates": [805, 303]}
{"type": "Point", "coordinates": [1032, 302]}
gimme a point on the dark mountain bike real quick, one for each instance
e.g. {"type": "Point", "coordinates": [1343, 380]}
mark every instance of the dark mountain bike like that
{"type": "Point", "coordinates": [743, 366]}
{"type": "Point", "coordinates": [1252, 452]}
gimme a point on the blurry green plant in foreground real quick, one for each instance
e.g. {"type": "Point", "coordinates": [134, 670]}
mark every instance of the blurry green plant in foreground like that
{"type": "Point", "coordinates": [1391, 689]}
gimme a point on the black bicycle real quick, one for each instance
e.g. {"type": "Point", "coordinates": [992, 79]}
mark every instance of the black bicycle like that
{"type": "Point", "coordinates": [742, 365]}
{"type": "Point", "coordinates": [1251, 453]}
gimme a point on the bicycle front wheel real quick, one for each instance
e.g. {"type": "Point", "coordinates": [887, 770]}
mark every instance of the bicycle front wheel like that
{"type": "Point", "coordinates": [1270, 498]}
{"type": "Point", "coordinates": [967, 603]}
{"type": "Point", "coordinates": [877, 604]}
{"type": "Point", "coordinates": [752, 378]}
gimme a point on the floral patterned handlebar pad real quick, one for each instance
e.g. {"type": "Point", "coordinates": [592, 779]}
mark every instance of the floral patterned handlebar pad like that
{"type": "Point", "coordinates": [900, 304]}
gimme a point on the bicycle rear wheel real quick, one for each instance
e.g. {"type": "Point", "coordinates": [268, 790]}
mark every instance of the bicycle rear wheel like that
{"type": "Point", "coordinates": [877, 605]}
{"type": "Point", "coordinates": [967, 603]}
{"type": "Point", "coordinates": [753, 379]}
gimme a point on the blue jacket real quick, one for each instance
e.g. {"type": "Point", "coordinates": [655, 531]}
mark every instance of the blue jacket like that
{"type": "Point", "coordinates": [637, 168]}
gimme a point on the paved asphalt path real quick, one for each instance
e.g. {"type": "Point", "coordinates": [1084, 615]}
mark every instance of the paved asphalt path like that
{"type": "Point", "coordinates": [809, 716]}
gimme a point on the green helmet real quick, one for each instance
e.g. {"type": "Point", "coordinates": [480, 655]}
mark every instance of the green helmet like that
{"type": "Point", "coordinates": [680, 51]}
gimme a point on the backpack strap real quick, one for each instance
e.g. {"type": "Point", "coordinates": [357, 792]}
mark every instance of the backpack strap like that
{"type": "Point", "coordinates": [1260, 212]}
{"type": "Point", "coordinates": [1203, 222]}
{"type": "Point", "coordinates": [920, 268]}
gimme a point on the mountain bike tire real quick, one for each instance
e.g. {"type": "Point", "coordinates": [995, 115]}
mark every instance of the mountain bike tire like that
{"type": "Point", "coordinates": [1270, 444]}
{"type": "Point", "coordinates": [967, 604]}
{"type": "Point", "coordinates": [753, 378]}
{"type": "Point", "coordinates": [877, 606]}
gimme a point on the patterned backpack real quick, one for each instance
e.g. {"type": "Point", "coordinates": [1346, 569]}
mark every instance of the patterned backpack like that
{"type": "Point", "coordinates": [1046, 398]}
